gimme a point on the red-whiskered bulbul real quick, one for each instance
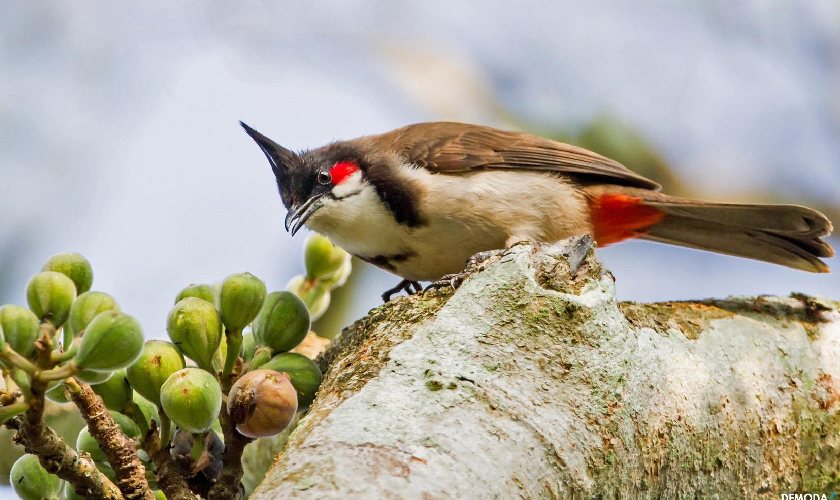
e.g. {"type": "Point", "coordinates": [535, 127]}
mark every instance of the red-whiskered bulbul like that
{"type": "Point", "coordinates": [420, 200]}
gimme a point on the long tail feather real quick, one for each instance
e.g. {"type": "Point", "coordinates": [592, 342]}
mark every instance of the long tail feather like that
{"type": "Point", "coordinates": [789, 235]}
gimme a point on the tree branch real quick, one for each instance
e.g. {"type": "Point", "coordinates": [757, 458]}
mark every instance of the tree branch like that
{"type": "Point", "coordinates": [532, 380]}
{"type": "Point", "coordinates": [120, 450]}
{"type": "Point", "coordinates": [171, 474]}
{"type": "Point", "coordinates": [227, 487]}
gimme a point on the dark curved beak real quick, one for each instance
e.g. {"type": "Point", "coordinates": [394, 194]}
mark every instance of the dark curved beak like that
{"type": "Point", "coordinates": [297, 216]}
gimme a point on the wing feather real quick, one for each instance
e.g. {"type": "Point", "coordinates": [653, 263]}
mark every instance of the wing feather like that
{"type": "Point", "coordinates": [448, 147]}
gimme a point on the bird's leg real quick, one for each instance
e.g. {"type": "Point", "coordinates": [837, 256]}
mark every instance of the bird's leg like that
{"type": "Point", "coordinates": [473, 264]}
{"type": "Point", "coordinates": [407, 286]}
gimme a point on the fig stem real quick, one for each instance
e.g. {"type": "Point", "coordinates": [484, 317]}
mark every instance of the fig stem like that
{"type": "Point", "coordinates": [234, 345]}
{"type": "Point", "coordinates": [22, 380]}
{"type": "Point", "coordinates": [10, 356]}
{"type": "Point", "coordinates": [12, 410]}
{"type": "Point", "coordinates": [58, 373]}
{"type": "Point", "coordinates": [58, 357]}
{"type": "Point", "coordinates": [165, 428]}
{"type": "Point", "coordinates": [66, 337]}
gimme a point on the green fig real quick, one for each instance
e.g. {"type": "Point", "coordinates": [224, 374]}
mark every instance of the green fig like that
{"type": "Point", "coordinates": [203, 292]}
{"type": "Point", "coordinates": [93, 377]}
{"type": "Point", "coordinates": [248, 346]}
{"type": "Point", "coordinates": [282, 323]}
{"type": "Point", "coordinates": [303, 373]}
{"type": "Point", "coordinates": [20, 328]}
{"type": "Point", "coordinates": [111, 341]}
{"type": "Point", "coordinates": [314, 294]}
{"type": "Point", "coordinates": [339, 277]}
{"type": "Point", "coordinates": [50, 295]}
{"type": "Point", "coordinates": [192, 398]}
{"type": "Point", "coordinates": [321, 257]}
{"type": "Point", "coordinates": [262, 403]}
{"type": "Point", "coordinates": [240, 299]}
{"type": "Point", "coordinates": [31, 481]}
{"type": "Point", "coordinates": [86, 307]}
{"type": "Point", "coordinates": [75, 267]}
{"type": "Point", "coordinates": [115, 391]}
{"type": "Point", "coordinates": [56, 393]}
{"type": "Point", "coordinates": [158, 360]}
{"type": "Point", "coordinates": [195, 327]}
{"type": "Point", "coordinates": [145, 410]}
{"type": "Point", "coordinates": [68, 492]}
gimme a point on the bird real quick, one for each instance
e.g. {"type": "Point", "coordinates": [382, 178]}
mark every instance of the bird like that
{"type": "Point", "coordinates": [420, 200]}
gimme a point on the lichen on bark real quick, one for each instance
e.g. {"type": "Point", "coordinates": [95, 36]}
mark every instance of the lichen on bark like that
{"type": "Point", "coordinates": [532, 380]}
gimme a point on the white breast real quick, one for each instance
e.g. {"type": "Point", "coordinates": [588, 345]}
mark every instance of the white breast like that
{"type": "Point", "coordinates": [463, 214]}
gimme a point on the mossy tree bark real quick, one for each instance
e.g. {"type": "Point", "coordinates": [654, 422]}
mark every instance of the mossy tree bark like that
{"type": "Point", "coordinates": [531, 380]}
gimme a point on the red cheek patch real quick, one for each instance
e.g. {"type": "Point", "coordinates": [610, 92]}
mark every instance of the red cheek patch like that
{"type": "Point", "coordinates": [342, 170]}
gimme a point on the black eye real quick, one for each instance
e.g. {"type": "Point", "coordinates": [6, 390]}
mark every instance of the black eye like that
{"type": "Point", "coordinates": [324, 177]}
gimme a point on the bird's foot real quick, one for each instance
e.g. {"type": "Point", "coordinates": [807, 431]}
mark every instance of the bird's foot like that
{"type": "Point", "coordinates": [407, 286]}
{"type": "Point", "coordinates": [474, 263]}
{"type": "Point", "coordinates": [447, 281]}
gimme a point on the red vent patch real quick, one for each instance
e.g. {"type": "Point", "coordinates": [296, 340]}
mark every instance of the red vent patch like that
{"type": "Point", "coordinates": [617, 217]}
{"type": "Point", "coordinates": [342, 170]}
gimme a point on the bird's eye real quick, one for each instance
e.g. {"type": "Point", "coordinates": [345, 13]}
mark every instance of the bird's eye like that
{"type": "Point", "coordinates": [324, 177]}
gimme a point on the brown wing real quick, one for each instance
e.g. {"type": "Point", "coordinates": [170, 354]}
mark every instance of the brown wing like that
{"type": "Point", "coordinates": [448, 147]}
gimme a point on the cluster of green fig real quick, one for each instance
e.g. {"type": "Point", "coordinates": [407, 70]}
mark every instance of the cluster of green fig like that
{"type": "Point", "coordinates": [229, 345]}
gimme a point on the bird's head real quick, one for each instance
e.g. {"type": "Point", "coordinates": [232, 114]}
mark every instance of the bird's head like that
{"type": "Point", "coordinates": [310, 180]}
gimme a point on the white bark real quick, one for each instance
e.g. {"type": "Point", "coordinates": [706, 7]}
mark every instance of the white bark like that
{"type": "Point", "coordinates": [532, 381]}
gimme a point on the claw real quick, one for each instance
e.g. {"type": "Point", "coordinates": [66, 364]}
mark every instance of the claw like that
{"type": "Point", "coordinates": [456, 280]}
{"type": "Point", "coordinates": [407, 286]}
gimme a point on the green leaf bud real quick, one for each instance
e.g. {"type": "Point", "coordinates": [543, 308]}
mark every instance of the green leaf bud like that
{"type": "Point", "coordinates": [282, 323]}
{"type": "Point", "coordinates": [192, 398]}
{"type": "Point", "coordinates": [50, 295]}
{"type": "Point", "coordinates": [321, 257]}
{"type": "Point", "coordinates": [86, 307]}
{"type": "Point", "coordinates": [240, 299]}
{"type": "Point", "coordinates": [158, 360]}
{"type": "Point", "coordinates": [199, 291]}
{"type": "Point", "coordinates": [195, 327]}
{"type": "Point", "coordinates": [115, 392]}
{"type": "Point", "coordinates": [20, 328]}
{"type": "Point", "coordinates": [31, 481]}
{"type": "Point", "coordinates": [111, 341]}
{"type": "Point", "coordinates": [303, 373]}
{"type": "Point", "coordinates": [262, 403]}
{"type": "Point", "coordinates": [75, 267]}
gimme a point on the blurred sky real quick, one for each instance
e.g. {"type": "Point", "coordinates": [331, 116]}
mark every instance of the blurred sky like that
{"type": "Point", "coordinates": [120, 140]}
